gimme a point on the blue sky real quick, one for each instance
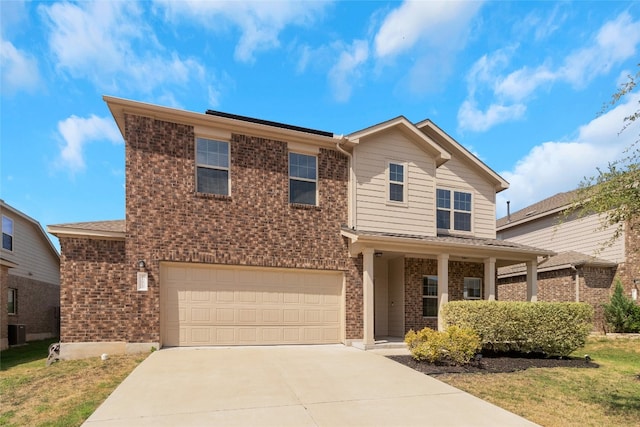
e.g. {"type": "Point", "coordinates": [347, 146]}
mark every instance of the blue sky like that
{"type": "Point", "coordinates": [520, 84]}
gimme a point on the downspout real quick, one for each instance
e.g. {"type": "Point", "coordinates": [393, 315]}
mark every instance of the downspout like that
{"type": "Point", "coordinates": [350, 185]}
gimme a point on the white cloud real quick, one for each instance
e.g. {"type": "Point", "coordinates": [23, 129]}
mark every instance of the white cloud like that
{"type": "Point", "coordinates": [478, 121]}
{"type": "Point", "coordinates": [556, 166]}
{"type": "Point", "coordinates": [260, 22]}
{"type": "Point", "coordinates": [435, 22]}
{"type": "Point", "coordinates": [78, 132]}
{"type": "Point", "coordinates": [615, 42]}
{"type": "Point", "coordinates": [110, 44]}
{"type": "Point", "coordinates": [18, 69]}
{"type": "Point", "coordinates": [345, 73]}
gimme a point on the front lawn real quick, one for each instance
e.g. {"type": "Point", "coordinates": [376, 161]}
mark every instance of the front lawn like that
{"type": "Point", "coordinates": [63, 394]}
{"type": "Point", "coordinates": [607, 396]}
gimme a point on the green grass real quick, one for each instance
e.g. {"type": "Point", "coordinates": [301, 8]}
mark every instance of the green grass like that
{"type": "Point", "coordinates": [63, 394]}
{"type": "Point", "coordinates": [608, 395]}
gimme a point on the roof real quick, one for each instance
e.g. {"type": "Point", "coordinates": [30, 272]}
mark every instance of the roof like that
{"type": "Point", "coordinates": [269, 123]}
{"type": "Point", "coordinates": [114, 229]}
{"type": "Point", "coordinates": [463, 245]}
{"type": "Point", "coordinates": [426, 143]}
{"type": "Point", "coordinates": [451, 145]}
{"type": "Point", "coordinates": [34, 223]}
{"type": "Point", "coordinates": [548, 206]}
{"type": "Point", "coordinates": [558, 262]}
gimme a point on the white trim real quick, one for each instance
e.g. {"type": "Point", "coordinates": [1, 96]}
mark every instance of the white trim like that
{"type": "Point", "coordinates": [206, 166]}
{"type": "Point", "coordinates": [452, 210]}
{"type": "Point", "coordinates": [435, 297]}
{"type": "Point", "coordinates": [464, 288]}
{"type": "Point", "coordinates": [13, 291]}
{"type": "Point", "coordinates": [12, 234]}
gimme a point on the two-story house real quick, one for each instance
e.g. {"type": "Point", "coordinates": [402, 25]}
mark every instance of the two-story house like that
{"type": "Point", "coordinates": [29, 280]}
{"type": "Point", "coordinates": [241, 231]}
{"type": "Point", "coordinates": [587, 262]}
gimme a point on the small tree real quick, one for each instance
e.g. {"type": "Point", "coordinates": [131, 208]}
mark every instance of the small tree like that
{"type": "Point", "coordinates": [622, 313]}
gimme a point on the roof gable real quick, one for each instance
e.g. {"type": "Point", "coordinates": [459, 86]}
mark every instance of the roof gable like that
{"type": "Point", "coordinates": [403, 125]}
{"type": "Point", "coordinates": [35, 224]}
{"type": "Point", "coordinates": [452, 146]}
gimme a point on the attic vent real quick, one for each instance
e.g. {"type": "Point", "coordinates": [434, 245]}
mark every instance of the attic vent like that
{"type": "Point", "coordinates": [530, 213]}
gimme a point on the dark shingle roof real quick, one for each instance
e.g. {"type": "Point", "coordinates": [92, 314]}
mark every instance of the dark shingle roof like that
{"type": "Point", "coordinates": [561, 260]}
{"type": "Point", "coordinates": [114, 226]}
{"type": "Point", "coordinates": [549, 204]}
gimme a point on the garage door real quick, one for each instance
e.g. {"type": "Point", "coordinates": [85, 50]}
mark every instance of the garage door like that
{"type": "Point", "coordinates": [205, 305]}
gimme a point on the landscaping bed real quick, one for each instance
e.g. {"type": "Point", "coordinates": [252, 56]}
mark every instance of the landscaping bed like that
{"type": "Point", "coordinates": [495, 363]}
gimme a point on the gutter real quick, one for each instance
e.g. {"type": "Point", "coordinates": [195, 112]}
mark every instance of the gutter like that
{"type": "Point", "coordinates": [350, 185]}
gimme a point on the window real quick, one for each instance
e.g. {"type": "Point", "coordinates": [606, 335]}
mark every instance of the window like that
{"type": "Point", "coordinates": [459, 216]}
{"type": "Point", "coordinates": [396, 182]}
{"type": "Point", "coordinates": [472, 288]}
{"type": "Point", "coordinates": [212, 160]}
{"type": "Point", "coordinates": [7, 233]}
{"type": "Point", "coordinates": [430, 296]}
{"type": "Point", "coordinates": [303, 176]}
{"type": "Point", "coordinates": [12, 301]}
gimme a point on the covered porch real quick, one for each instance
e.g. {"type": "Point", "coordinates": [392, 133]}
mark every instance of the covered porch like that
{"type": "Point", "coordinates": [407, 278]}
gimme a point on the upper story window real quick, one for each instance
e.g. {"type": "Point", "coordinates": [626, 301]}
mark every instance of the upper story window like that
{"type": "Point", "coordinates": [212, 164]}
{"type": "Point", "coordinates": [7, 233]}
{"type": "Point", "coordinates": [303, 178]}
{"type": "Point", "coordinates": [397, 182]}
{"type": "Point", "coordinates": [472, 288]}
{"type": "Point", "coordinates": [430, 296]}
{"type": "Point", "coordinates": [457, 213]}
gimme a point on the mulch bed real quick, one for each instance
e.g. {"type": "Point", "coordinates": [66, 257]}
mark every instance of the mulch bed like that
{"type": "Point", "coordinates": [495, 363]}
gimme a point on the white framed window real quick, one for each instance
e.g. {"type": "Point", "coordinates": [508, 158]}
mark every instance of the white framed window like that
{"type": "Point", "coordinates": [303, 179]}
{"type": "Point", "coordinates": [7, 233]}
{"type": "Point", "coordinates": [397, 182]}
{"type": "Point", "coordinates": [430, 296]}
{"type": "Point", "coordinates": [12, 301]}
{"type": "Point", "coordinates": [212, 166]}
{"type": "Point", "coordinates": [472, 288]}
{"type": "Point", "coordinates": [453, 210]}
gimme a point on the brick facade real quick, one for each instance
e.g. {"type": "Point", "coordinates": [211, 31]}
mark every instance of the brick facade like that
{"type": "Point", "coordinates": [415, 269]}
{"type": "Point", "coordinates": [4, 317]}
{"type": "Point", "coordinates": [38, 306]}
{"type": "Point", "coordinates": [167, 220]}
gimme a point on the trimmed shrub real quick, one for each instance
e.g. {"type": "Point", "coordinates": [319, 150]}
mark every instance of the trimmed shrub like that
{"type": "Point", "coordinates": [554, 329]}
{"type": "Point", "coordinates": [455, 345]}
{"type": "Point", "coordinates": [622, 313]}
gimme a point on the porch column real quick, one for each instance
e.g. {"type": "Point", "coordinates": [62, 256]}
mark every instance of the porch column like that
{"type": "Point", "coordinates": [532, 280]}
{"type": "Point", "coordinates": [367, 297]}
{"type": "Point", "coordinates": [443, 286]}
{"type": "Point", "coordinates": [490, 279]}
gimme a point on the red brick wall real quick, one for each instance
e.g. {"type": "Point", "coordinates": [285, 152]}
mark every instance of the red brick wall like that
{"type": "Point", "coordinates": [256, 225]}
{"type": "Point", "coordinates": [415, 269]}
{"type": "Point", "coordinates": [630, 269]}
{"type": "Point", "coordinates": [37, 305]}
{"type": "Point", "coordinates": [95, 294]}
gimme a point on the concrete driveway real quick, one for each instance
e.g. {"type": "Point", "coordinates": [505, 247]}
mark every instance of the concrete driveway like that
{"type": "Point", "coordinates": [288, 386]}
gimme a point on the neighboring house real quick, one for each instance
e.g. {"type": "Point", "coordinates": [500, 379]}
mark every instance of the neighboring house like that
{"type": "Point", "coordinates": [585, 267]}
{"type": "Point", "coordinates": [241, 231]}
{"type": "Point", "coordinates": [29, 279]}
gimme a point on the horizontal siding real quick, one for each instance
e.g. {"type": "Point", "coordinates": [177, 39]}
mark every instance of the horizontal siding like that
{"type": "Point", "coordinates": [32, 253]}
{"type": "Point", "coordinates": [455, 174]}
{"type": "Point", "coordinates": [373, 213]}
{"type": "Point", "coordinates": [580, 235]}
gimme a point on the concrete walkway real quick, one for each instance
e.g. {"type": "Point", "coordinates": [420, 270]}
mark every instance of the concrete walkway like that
{"type": "Point", "coordinates": [288, 386]}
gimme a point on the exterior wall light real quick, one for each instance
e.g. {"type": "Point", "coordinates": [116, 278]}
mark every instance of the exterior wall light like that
{"type": "Point", "coordinates": [142, 265]}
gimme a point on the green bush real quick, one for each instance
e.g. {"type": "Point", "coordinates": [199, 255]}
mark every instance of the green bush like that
{"type": "Point", "coordinates": [622, 313]}
{"type": "Point", "coordinates": [455, 345]}
{"type": "Point", "coordinates": [555, 329]}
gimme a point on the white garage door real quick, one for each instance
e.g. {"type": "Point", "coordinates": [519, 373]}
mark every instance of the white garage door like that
{"type": "Point", "coordinates": [205, 305]}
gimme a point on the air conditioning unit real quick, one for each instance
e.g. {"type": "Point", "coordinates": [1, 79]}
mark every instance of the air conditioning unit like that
{"type": "Point", "coordinates": [17, 334]}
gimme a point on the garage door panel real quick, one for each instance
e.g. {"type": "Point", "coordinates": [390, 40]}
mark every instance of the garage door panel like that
{"type": "Point", "coordinates": [244, 306]}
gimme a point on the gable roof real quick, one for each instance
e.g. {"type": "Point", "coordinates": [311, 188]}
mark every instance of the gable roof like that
{"type": "Point", "coordinates": [114, 229]}
{"type": "Point", "coordinates": [548, 206]}
{"type": "Point", "coordinates": [4, 206]}
{"type": "Point", "coordinates": [558, 262]}
{"type": "Point", "coordinates": [405, 126]}
{"type": "Point", "coordinates": [435, 133]}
